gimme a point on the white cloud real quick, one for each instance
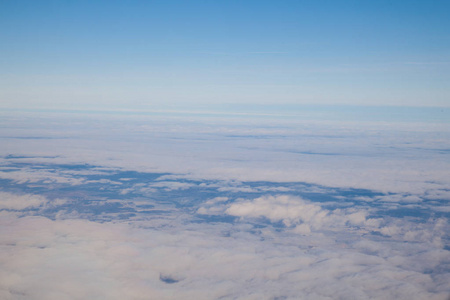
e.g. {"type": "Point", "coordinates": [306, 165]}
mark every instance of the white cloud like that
{"type": "Point", "coordinates": [398, 157]}
{"type": "Point", "coordinates": [79, 259]}
{"type": "Point", "coordinates": [213, 206]}
{"type": "Point", "coordinates": [296, 212]}
{"type": "Point", "coordinates": [20, 202]}
{"type": "Point", "coordinates": [281, 208]}
{"type": "Point", "coordinates": [30, 175]}
{"type": "Point", "coordinates": [172, 185]}
{"type": "Point", "coordinates": [398, 198]}
{"type": "Point", "coordinates": [324, 252]}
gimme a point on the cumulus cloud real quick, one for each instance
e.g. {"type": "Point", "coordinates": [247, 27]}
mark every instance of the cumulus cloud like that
{"type": "Point", "coordinates": [213, 206]}
{"type": "Point", "coordinates": [79, 259]}
{"type": "Point", "coordinates": [288, 209]}
{"type": "Point", "coordinates": [30, 175]}
{"type": "Point", "coordinates": [294, 212]}
{"type": "Point", "coordinates": [305, 217]}
{"type": "Point", "coordinates": [11, 201]}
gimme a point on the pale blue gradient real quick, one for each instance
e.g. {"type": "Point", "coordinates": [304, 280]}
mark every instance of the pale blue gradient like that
{"type": "Point", "coordinates": [153, 54]}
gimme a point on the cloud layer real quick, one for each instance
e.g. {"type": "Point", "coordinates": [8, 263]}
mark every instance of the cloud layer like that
{"type": "Point", "coordinates": [97, 207]}
{"type": "Point", "coordinates": [79, 259]}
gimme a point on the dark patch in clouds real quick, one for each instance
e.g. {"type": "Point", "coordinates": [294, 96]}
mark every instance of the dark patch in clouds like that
{"type": "Point", "coordinates": [168, 279]}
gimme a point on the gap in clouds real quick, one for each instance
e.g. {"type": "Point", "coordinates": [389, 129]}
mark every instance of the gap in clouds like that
{"type": "Point", "coordinates": [97, 193]}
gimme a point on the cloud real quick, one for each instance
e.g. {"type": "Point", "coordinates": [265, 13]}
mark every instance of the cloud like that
{"type": "Point", "coordinates": [172, 185]}
{"type": "Point", "coordinates": [30, 175]}
{"type": "Point", "coordinates": [382, 156]}
{"type": "Point", "coordinates": [79, 259]}
{"type": "Point", "coordinates": [262, 217]}
{"type": "Point", "coordinates": [305, 217]}
{"type": "Point", "coordinates": [294, 212]}
{"type": "Point", "coordinates": [215, 206]}
{"type": "Point", "coordinates": [289, 210]}
{"type": "Point", "coordinates": [11, 201]}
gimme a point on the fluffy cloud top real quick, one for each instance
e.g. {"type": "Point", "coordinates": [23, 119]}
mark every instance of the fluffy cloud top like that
{"type": "Point", "coordinates": [80, 259]}
{"type": "Point", "coordinates": [19, 202]}
{"type": "Point", "coordinates": [294, 212]}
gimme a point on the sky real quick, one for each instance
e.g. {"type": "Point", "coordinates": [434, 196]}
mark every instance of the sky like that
{"type": "Point", "coordinates": [224, 150]}
{"type": "Point", "coordinates": [147, 55]}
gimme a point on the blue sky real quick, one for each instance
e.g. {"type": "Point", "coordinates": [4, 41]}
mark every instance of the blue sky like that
{"type": "Point", "coordinates": [159, 54]}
